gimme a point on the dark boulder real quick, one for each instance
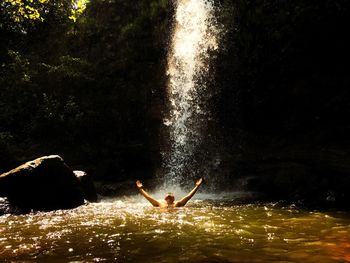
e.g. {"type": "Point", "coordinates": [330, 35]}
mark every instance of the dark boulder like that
{"type": "Point", "coordinates": [4, 206]}
{"type": "Point", "coordinates": [316, 178]}
{"type": "Point", "coordinates": [46, 183]}
{"type": "Point", "coordinates": [7, 208]}
{"type": "Point", "coordinates": [87, 186]}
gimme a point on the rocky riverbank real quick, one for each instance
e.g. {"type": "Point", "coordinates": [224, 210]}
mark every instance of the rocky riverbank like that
{"type": "Point", "coordinates": [44, 184]}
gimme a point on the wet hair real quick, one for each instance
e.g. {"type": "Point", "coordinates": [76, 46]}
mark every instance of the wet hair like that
{"type": "Point", "coordinates": [169, 194]}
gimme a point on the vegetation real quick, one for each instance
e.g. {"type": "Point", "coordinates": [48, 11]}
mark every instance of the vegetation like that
{"type": "Point", "coordinates": [86, 85]}
{"type": "Point", "coordinates": [283, 101]}
{"type": "Point", "coordinates": [87, 81]}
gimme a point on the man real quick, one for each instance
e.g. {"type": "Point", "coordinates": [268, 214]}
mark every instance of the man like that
{"type": "Point", "coordinates": [169, 200]}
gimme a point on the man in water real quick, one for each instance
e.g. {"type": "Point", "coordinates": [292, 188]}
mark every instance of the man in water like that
{"type": "Point", "coordinates": [169, 200]}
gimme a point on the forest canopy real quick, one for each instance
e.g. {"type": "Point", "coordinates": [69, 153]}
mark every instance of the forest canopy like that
{"type": "Point", "coordinates": [87, 80]}
{"type": "Point", "coordinates": [82, 79]}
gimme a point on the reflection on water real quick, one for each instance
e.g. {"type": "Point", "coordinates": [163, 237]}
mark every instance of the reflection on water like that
{"type": "Point", "coordinates": [205, 231]}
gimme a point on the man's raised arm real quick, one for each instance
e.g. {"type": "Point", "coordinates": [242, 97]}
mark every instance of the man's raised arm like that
{"type": "Point", "coordinates": [153, 201]}
{"type": "Point", "coordinates": [184, 200]}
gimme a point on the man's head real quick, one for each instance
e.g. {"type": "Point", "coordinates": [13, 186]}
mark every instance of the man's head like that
{"type": "Point", "coordinates": [169, 198]}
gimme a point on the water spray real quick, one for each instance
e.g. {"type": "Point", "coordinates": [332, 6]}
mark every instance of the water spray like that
{"type": "Point", "coordinates": [195, 34]}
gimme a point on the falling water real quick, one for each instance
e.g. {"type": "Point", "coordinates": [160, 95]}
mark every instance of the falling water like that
{"type": "Point", "coordinates": [195, 35]}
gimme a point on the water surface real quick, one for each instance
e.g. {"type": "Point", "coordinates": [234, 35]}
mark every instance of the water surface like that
{"type": "Point", "coordinates": [130, 230]}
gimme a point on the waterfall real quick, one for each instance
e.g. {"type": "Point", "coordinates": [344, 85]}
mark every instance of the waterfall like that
{"type": "Point", "coordinates": [194, 37]}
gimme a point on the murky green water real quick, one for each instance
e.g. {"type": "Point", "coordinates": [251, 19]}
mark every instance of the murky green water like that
{"type": "Point", "coordinates": [130, 230]}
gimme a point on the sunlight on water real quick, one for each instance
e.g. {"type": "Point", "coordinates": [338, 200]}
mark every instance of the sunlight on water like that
{"type": "Point", "coordinates": [130, 230]}
{"type": "Point", "coordinates": [195, 34]}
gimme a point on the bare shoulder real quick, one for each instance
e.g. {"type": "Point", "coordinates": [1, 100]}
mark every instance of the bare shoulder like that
{"type": "Point", "coordinates": [178, 204]}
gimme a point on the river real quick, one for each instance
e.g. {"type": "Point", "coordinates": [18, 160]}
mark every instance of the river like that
{"type": "Point", "coordinates": [209, 229]}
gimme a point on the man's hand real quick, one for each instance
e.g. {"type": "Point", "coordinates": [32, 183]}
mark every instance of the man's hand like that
{"type": "Point", "coordinates": [139, 184]}
{"type": "Point", "coordinates": [199, 182]}
{"type": "Point", "coordinates": [153, 201]}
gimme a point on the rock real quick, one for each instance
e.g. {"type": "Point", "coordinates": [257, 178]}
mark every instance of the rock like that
{"type": "Point", "coordinates": [46, 183]}
{"type": "Point", "coordinates": [7, 208]}
{"type": "Point", "coordinates": [4, 206]}
{"type": "Point", "coordinates": [87, 186]}
{"type": "Point", "coordinates": [319, 180]}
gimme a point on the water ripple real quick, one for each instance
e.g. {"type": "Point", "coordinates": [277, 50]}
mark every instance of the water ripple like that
{"type": "Point", "coordinates": [130, 231]}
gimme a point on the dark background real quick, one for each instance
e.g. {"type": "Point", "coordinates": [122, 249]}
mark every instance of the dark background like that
{"type": "Point", "coordinates": [93, 91]}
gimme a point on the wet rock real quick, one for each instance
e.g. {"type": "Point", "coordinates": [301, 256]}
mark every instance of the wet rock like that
{"type": "Point", "coordinates": [87, 186]}
{"type": "Point", "coordinates": [46, 183]}
{"type": "Point", "coordinates": [110, 189]}
{"type": "Point", "coordinates": [4, 206]}
{"type": "Point", "coordinates": [315, 178]}
{"type": "Point", "coordinates": [7, 208]}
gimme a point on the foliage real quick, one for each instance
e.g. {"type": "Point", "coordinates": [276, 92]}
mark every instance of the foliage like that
{"type": "Point", "coordinates": [78, 8]}
{"type": "Point", "coordinates": [26, 11]}
{"type": "Point", "coordinates": [21, 10]}
{"type": "Point", "coordinates": [87, 79]}
{"type": "Point", "coordinates": [284, 65]}
{"type": "Point", "coordinates": [282, 88]}
{"type": "Point", "coordinates": [83, 83]}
